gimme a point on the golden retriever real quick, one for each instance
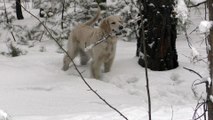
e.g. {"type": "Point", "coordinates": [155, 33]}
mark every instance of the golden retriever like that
{"type": "Point", "coordinates": [84, 35]}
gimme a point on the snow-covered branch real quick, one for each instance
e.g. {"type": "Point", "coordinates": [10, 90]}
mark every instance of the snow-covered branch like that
{"type": "Point", "coordinates": [182, 11]}
{"type": "Point", "coordinates": [205, 26]}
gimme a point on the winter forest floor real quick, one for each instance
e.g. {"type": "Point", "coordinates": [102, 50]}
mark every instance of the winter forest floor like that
{"type": "Point", "coordinates": [33, 86]}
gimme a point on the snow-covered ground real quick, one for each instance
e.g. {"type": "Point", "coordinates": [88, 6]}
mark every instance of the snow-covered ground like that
{"type": "Point", "coordinates": [33, 86]}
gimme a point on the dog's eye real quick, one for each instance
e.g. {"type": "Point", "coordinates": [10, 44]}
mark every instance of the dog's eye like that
{"type": "Point", "coordinates": [113, 23]}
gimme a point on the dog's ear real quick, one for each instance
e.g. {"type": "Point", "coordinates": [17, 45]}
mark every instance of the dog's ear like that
{"type": "Point", "coordinates": [121, 19]}
{"type": "Point", "coordinates": [105, 25]}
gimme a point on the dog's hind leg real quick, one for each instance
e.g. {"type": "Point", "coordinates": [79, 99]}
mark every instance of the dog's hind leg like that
{"type": "Point", "coordinates": [73, 51]}
{"type": "Point", "coordinates": [84, 57]}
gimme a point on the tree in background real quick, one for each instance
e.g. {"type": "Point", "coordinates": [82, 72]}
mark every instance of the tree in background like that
{"type": "Point", "coordinates": [102, 4]}
{"type": "Point", "coordinates": [18, 10]}
{"type": "Point", "coordinates": [160, 35]}
{"type": "Point", "coordinates": [210, 56]}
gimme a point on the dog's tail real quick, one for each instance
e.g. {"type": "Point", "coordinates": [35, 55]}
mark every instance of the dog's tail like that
{"type": "Point", "coordinates": [93, 20]}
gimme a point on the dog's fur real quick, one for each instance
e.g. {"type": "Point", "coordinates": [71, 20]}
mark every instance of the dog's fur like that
{"type": "Point", "coordinates": [84, 35]}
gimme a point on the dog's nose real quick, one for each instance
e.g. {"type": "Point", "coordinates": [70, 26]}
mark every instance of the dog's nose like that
{"type": "Point", "coordinates": [121, 27]}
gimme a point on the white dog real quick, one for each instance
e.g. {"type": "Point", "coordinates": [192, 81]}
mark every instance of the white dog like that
{"type": "Point", "coordinates": [83, 35]}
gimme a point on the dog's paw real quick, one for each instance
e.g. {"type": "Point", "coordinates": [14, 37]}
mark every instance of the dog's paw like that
{"type": "Point", "coordinates": [65, 68]}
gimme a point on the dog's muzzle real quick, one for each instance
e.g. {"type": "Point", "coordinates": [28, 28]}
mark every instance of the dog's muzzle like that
{"type": "Point", "coordinates": [121, 27]}
{"type": "Point", "coordinates": [119, 31]}
{"type": "Point", "coordinates": [116, 32]}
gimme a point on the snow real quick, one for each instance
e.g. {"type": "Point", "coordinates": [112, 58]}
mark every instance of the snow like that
{"type": "Point", "coordinates": [211, 98]}
{"type": "Point", "coordinates": [33, 86]}
{"type": "Point", "coordinates": [205, 26]}
{"type": "Point", "coordinates": [182, 11]}
{"type": "Point", "coordinates": [209, 81]}
{"type": "Point", "coordinates": [195, 54]}
{"type": "Point", "coordinates": [4, 115]}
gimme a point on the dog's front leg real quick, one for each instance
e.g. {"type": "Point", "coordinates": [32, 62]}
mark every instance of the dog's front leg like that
{"type": "Point", "coordinates": [95, 69]}
{"type": "Point", "coordinates": [108, 65]}
{"type": "Point", "coordinates": [84, 57]}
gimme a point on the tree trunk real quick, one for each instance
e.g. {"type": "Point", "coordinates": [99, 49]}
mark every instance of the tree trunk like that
{"type": "Point", "coordinates": [210, 56]}
{"type": "Point", "coordinates": [41, 12]}
{"type": "Point", "coordinates": [160, 35]}
{"type": "Point", "coordinates": [18, 10]}
{"type": "Point", "coordinates": [62, 14]}
{"type": "Point", "coordinates": [100, 4]}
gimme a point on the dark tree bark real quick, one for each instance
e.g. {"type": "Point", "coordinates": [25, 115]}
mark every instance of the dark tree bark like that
{"type": "Point", "coordinates": [41, 12]}
{"type": "Point", "coordinates": [210, 57]}
{"type": "Point", "coordinates": [100, 1]}
{"type": "Point", "coordinates": [62, 14]}
{"type": "Point", "coordinates": [160, 35]}
{"type": "Point", "coordinates": [18, 10]}
{"type": "Point", "coordinates": [101, 6]}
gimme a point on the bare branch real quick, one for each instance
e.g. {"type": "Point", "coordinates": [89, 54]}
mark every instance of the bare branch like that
{"type": "Point", "coordinates": [97, 43]}
{"type": "Point", "coordinates": [8, 22]}
{"type": "Point", "coordinates": [196, 116]}
{"type": "Point", "coordinates": [146, 62]}
{"type": "Point", "coordinates": [193, 71]}
{"type": "Point", "coordinates": [187, 37]}
{"type": "Point", "coordinates": [193, 87]}
{"type": "Point", "coordinates": [202, 104]}
{"type": "Point", "coordinates": [204, 2]}
{"type": "Point", "coordinates": [193, 30]}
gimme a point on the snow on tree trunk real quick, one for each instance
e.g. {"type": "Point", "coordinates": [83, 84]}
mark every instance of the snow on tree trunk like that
{"type": "Point", "coordinates": [210, 56]}
{"type": "Point", "coordinates": [160, 35]}
{"type": "Point", "coordinates": [18, 10]}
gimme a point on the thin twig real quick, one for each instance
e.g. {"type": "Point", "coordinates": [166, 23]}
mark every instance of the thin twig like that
{"type": "Point", "coordinates": [193, 71]}
{"type": "Point", "coordinates": [193, 30]}
{"type": "Point", "coordinates": [197, 108]}
{"type": "Point", "coordinates": [8, 22]}
{"type": "Point", "coordinates": [81, 76]}
{"type": "Point", "coordinates": [204, 109]}
{"type": "Point", "coordinates": [187, 38]}
{"type": "Point", "coordinates": [200, 116]}
{"type": "Point", "coordinates": [146, 63]}
{"type": "Point", "coordinates": [203, 104]}
{"type": "Point", "coordinates": [193, 88]}
{"type": "Point", "coordinates": [198, 4]}
{"type": "Point", "coordinates": [97, 43]}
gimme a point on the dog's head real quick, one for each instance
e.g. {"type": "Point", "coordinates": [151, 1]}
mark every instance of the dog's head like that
{"type": "Point", "coordinates": [112, 25]}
